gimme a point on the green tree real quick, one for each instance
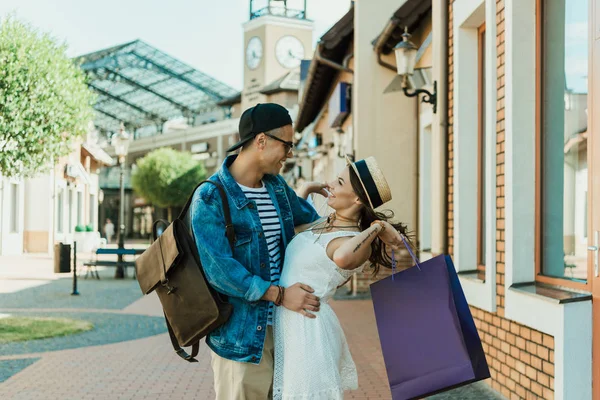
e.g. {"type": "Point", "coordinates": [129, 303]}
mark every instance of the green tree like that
{"type": "Point", "coordinates": [45, 104]}
{"type": "Point", "coordinates": [166, 177]}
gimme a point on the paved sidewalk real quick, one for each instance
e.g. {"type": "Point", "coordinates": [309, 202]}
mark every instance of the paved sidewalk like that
{"type": "Point", "coordinates": [147, 368]}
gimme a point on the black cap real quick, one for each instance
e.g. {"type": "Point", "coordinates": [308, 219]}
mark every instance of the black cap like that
{"type": "Point", "coordinates": [261, 118]}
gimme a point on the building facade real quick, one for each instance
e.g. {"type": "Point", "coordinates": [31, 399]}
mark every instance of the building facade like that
{"type": "Point", "coordinates": [521, 187]}
{"type": "Point", "coordinates": [37, 212]}
{"type": "Point", "coordinates": [12, 211]}
{"type": "Point", "coordinates": [502, 175]}
{"type": "Point", "coordinates": [351, 105]}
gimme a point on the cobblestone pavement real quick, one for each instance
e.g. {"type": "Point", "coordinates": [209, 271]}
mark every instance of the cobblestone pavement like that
{"type": "Point", "coordinates": [129, 358]}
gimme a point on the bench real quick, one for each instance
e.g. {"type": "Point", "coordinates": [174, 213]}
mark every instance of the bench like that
{"type": "Point", "coordinates": [91, 265]}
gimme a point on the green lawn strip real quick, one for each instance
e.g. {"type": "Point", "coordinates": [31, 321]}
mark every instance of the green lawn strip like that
{"type": "Point", "coordinates": [18, 329]}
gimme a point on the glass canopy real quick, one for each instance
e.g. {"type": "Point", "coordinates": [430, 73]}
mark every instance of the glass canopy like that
{"type": "Point", "coordinates": [143, 88]}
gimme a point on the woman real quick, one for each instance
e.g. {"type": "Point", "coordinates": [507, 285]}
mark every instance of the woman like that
{"type": "Point", "coordinates": [312, 360]}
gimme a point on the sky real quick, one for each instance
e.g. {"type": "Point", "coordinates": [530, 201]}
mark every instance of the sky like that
{"type": "Point", "coordinates": [206, 34]}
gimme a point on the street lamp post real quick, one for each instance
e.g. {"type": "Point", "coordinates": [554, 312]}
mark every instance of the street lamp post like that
{"type": "Point", "coordinates": [121, 144]}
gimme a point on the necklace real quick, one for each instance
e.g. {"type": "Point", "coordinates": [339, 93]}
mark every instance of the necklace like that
{"type": "Point", "coordinates": [328, 224]}
{"type": "Point", "coordinates": [334, 216]}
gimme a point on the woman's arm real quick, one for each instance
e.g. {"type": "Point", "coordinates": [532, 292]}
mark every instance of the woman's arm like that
{"type": "Point", "coordinates": [312, 187]}
{"type": "Point", "coordinates": [352, 252]}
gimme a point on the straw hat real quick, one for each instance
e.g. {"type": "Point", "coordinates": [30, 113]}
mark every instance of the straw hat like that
{"type": "Point", "coordinates": [372, 180]}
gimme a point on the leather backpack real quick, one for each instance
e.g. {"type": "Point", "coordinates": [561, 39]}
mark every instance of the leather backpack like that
{"type": "Point", "coordinates": [171, 266]}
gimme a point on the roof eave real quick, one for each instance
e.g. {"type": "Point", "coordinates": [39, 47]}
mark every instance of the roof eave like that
{"type": "Point", "coordinates": [334, 46]}
{"type": "Point", "coordinates": [409, 15]}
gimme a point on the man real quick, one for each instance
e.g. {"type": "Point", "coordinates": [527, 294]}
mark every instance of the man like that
{"type": "Point", "coordinates": [264, 210]}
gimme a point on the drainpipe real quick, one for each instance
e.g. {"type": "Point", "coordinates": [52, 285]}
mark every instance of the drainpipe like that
{"type": "Point", "coordinates": [385, 35]}
{"type": "Point", "coordinates": [417, 208]}
{"type": "Point", "coordinates": [330, 63]}
{"type": "Point", "coordinates": [443, 116]}
{"type": "Point", "coordinates": [346, 61]}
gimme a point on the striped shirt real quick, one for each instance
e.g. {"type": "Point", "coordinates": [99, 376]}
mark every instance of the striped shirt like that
{"type": "Point", "coordinates": [272, 231]}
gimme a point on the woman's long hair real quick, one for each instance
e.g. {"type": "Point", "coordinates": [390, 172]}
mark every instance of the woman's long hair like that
{"type": "Point", "coordinates": [379, 252]}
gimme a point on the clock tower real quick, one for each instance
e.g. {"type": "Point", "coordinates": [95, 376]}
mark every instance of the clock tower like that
{"type": "Point", "coordinates": [276, 38]}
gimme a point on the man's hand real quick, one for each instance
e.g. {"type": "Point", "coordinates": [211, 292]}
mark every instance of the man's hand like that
{"type": "Point", "coordinates": [298, 298]}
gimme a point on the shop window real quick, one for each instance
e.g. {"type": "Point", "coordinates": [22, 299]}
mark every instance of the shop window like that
{"type": "Point", "coordinates": [562, 154]}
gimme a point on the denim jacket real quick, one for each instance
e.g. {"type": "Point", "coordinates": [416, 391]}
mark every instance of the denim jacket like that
{"type": "Point", "coordinates": [243, 276]}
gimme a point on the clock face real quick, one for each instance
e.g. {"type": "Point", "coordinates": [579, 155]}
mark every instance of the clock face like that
{"type": "Point", "coordinates": [254, 52]}
{"type": "Point", "coordinates": [289, 51]}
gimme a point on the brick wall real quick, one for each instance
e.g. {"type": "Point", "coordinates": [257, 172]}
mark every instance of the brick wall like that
{"type": "Point", "coordinates": [521, 359]}
{"type": "Point", "coordinates": [500, 158]}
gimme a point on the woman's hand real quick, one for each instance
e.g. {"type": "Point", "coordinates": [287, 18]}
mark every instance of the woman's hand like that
{"type": "Point", "coordinates": [390, 236]}
{"type": "Point", "coordinates": [313, 187]}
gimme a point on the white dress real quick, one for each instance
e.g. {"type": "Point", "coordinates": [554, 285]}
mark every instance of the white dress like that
{"type": "Point", "coordinates": [312, 359]}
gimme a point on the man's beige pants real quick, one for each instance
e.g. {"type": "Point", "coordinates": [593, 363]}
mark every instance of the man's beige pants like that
{"type": "Point", "coordinates": [244, 381]}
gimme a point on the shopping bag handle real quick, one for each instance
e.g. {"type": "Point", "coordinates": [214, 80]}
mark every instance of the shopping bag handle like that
{"type": "Point", "coordinates": [415, 259]}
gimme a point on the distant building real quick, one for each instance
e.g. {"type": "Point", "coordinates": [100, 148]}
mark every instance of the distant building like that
{"type": "Point", "coordinates": [36, 213]}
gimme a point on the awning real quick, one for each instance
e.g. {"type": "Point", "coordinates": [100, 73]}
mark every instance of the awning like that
{"type": "Point", "coordinates": [97, 154]}
{"type": "Point", "coordinates": [287, 83]}
{"type": "Point", "coordinates": [77, 171]}
{"type": "Point", "coordinates": [424, 57]}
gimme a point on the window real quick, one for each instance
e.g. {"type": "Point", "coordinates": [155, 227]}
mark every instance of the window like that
{"type": "Point", "coordinates": [562, 162]}
{"type": "Point", "coordinates": [79, 208]}
{"type": "Point", "coordinates": [481, 159]}
{"type": "Point", "coordinates": [474, 148]}
{"type": "Point", "coordinates": [71, 211]}
{"type": "Point", "coordinates": [60, 211]}
{"type": "Point", "coordinates": [92, 210]}
{"type": "Point", "coordinates": [14, 208]}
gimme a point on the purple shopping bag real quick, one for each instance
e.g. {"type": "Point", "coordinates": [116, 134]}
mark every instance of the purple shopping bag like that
{"type": "Point", "coordinates": [428, 336]}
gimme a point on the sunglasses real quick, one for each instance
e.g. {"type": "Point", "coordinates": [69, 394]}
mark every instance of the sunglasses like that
{"type": "Point", "coordinates": [288, 146]}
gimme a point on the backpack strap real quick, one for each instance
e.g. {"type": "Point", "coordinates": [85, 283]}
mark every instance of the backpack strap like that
{"type": "Point", "coordinates": [181, 352]}
{"type": "Point", "coordinates": [229, 231]}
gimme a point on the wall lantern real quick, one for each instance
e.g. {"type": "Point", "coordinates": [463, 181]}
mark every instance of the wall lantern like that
{"type": "Point", "coordinates": [406, 55]}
